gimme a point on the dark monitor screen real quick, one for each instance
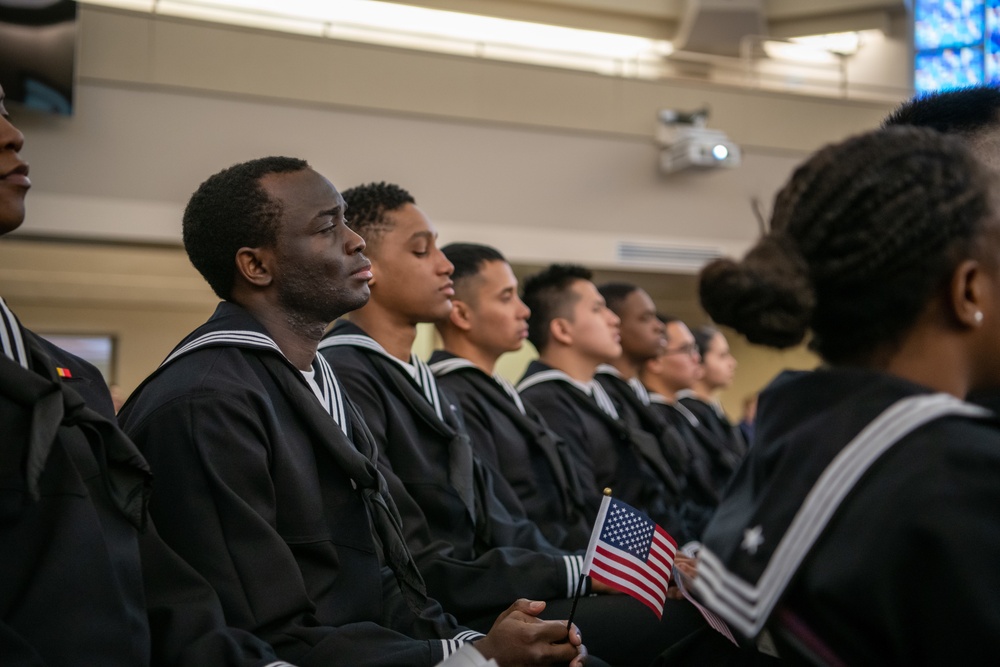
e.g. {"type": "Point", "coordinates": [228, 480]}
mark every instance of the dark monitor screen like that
{"type": "Point", "coordinates": [37, 52]}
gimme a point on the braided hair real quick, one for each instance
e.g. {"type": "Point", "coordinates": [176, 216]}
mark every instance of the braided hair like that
{"type": "Point", "coordinates": [864, 234]}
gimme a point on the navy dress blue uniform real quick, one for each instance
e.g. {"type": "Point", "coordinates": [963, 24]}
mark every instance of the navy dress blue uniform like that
{"type": "Point", "coordinates": [273, 496]}
{"type": "Point", "coordinates": [710, 464]}
{"type": "Point", "coordinates": [473, 553]}
{"type": "Point", "coordinates": [475, 556]}
{"type": "Point", "coordinates": [607, 451]}
{"type": "Point", "coordinates": [698, 496]}
{"type": "Point", "coordinates": [730, 443]}
{"type": "Point", "coordinates": [531, 464]}
{"type": "Point", "coordinates": [86, 579]}
{"type": "Point", "coordinates": [862, 527]}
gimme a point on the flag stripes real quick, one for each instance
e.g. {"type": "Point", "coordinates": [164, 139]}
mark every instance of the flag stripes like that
{"type": "Point", "coordinates": [630, 553]}
{"type": "Point", "coordinates": [620, 570]}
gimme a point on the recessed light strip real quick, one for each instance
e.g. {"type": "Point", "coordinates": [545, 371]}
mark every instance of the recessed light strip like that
{"type": "Point", "coordinates": [406, 26]}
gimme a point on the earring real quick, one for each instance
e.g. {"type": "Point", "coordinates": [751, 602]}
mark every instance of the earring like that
{"type": "Point", "coordinates": [978, 317]}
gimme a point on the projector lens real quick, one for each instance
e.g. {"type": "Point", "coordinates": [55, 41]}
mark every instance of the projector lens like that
{"type": "Point", "coordinates": [720, 152]}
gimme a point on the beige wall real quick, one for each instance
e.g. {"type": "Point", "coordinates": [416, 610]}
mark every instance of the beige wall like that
{"type": "Point", "coordinates": [546, 164]}
{"type": "Point", "coordinates": [756, 367]}
{"type": "Point", "coordinates": [147, 298]}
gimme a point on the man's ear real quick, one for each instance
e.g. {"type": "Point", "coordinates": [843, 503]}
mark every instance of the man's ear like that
{"type": "Point", "coordinates": [254, 266]}
{"type": "Point", "coordinates": [968, 293]}
{"type": "Point", "coordinates": [561, 331]}
{"type": "Point", "coordinates": [460, 315]}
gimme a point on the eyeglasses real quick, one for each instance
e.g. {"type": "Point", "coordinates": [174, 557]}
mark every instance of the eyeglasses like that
{"type": "Point", "coordinates": [690, 349]}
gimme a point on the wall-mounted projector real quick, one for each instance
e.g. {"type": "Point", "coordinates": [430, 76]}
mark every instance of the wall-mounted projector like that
{"type": "Point", "coordinates": [688, 143]}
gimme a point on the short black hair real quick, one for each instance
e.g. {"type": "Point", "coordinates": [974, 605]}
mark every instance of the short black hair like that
{"type": "Point", "coordinates": [703, 336]}
{"type": "Point", "coordinates": [966, 111]}
{"type": "Point", "coordinates": [547, 294]}
{"type": "Point", "coordinates": [865, 234]}
{"type": "Point", "coordinates": [469, 258]}
{"type": "Point", "coordinates": [367, 205]}
{"type": "Point", "coordinates": [615, 293]}
{"type": "Point", "coordinates": [229, 211]}
{"type": "Point", "coordinates": [666, 319]}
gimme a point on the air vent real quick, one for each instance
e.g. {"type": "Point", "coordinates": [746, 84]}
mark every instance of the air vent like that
{"type": "Point", "coordinates": [674, 258]}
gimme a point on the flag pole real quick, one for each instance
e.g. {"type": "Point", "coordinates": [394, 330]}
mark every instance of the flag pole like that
{"type": "Point", "coordinates": [576, 598]}
{"type": "Point", "coordinates": [579, 584]}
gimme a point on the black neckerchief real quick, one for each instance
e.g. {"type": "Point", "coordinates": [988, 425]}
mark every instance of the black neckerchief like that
{"type": "Point", "coordinates": [531, 424]}
{"type": "Point", "coordinates": [35, 405]}
{"type": "Point", "coordinates": [645, 444]}
{"type": "Point", "coordinates": [464, 472]}
{"type": "Point", "coordinates": [232, 326]}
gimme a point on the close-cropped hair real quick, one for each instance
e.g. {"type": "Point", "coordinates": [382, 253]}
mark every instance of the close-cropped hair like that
{"type": "Point", "coordinates": [965, 111]}
{"type": "Point", "coordinates": [367, 206]}
{"type": "Point", "coordinates": [548, 294]}
{"type": "Point", "coordinates": [229, 211]}
{"type": "Point", "coordinates": [703, 336]}
{"type": "Point", "coordinates": [666, 318]}
{"type": "Point", "coordinates": [615, 293]}
{"type": "Point", "coordinates": [864, 236]}
{"type": "Point", "coordinates": [469, 259]}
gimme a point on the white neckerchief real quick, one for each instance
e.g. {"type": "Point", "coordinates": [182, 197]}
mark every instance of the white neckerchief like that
{"type": "Point", "coordinates": [592, 388]}
{"type": "Point", "coordinates": [329, 392]}
{"type": "Point", "coordinates": [416, 368]}
{"type": "Point", "coordinates": [10, 337]}
{"type": "Point", "coordinates": [445, 366]}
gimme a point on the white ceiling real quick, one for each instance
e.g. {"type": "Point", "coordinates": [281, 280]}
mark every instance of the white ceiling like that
{"type": "Point", "coordinates": [660, 18]}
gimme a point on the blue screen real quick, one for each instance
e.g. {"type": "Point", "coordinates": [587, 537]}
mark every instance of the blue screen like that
{"type": "Point", "coordinates": [947, 23]}
{"type": "Point", "coordinates": [948, 68]}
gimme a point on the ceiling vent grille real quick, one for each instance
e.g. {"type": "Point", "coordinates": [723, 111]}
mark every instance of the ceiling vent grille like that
{"type": "Point", "coordinates": [674, 258]}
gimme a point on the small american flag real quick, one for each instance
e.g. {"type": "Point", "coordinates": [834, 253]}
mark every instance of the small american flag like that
{"type": "Point", "coordinates": [630, 553]}
{"type": "Point", "coordinates": [711, 618]}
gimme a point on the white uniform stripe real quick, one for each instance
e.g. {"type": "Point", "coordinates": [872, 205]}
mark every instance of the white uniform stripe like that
{"type": "Point", "coordinates": [592, 388]}
{"type": "Point", "coordinates": [416, 368]}
{"type": "Point", "coordinates": [332, 397]}
{"type": "Point", "coordinates": [640, 391]}
{"type": "Point", "coordinates": [676, 405]}
{"type": "Point", "coordinates": [510, 391]}
{"type": "Point", "coordinates": [333, 394]}
{"type": "Point", "coordinates": [446, 366]}
{"type": "Point", "coordinates": [468, 636]}
{"type": "Point", "coordinates": [574, 568]}
{"type": "Point", "coordinates": [248, 338]}
{"type": "Point", "coordinates": [603, 400]}
{"type": "Point", "coordinates": [450, 365]}
{"type": "Point", "coordinates": [747, 606]}
{"type": "Point", "coordinates": [10, 336]}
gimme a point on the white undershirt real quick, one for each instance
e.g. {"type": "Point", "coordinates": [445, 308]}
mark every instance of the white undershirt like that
{"type": "Point", "coordinates": [310, 376]}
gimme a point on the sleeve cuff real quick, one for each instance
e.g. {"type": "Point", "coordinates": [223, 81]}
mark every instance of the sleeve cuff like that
{"type": "Point", "coordinates": [574, 568]}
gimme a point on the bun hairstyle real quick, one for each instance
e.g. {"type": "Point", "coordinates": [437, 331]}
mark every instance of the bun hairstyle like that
{"type": "Point", "coordinates": [862, 237]}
